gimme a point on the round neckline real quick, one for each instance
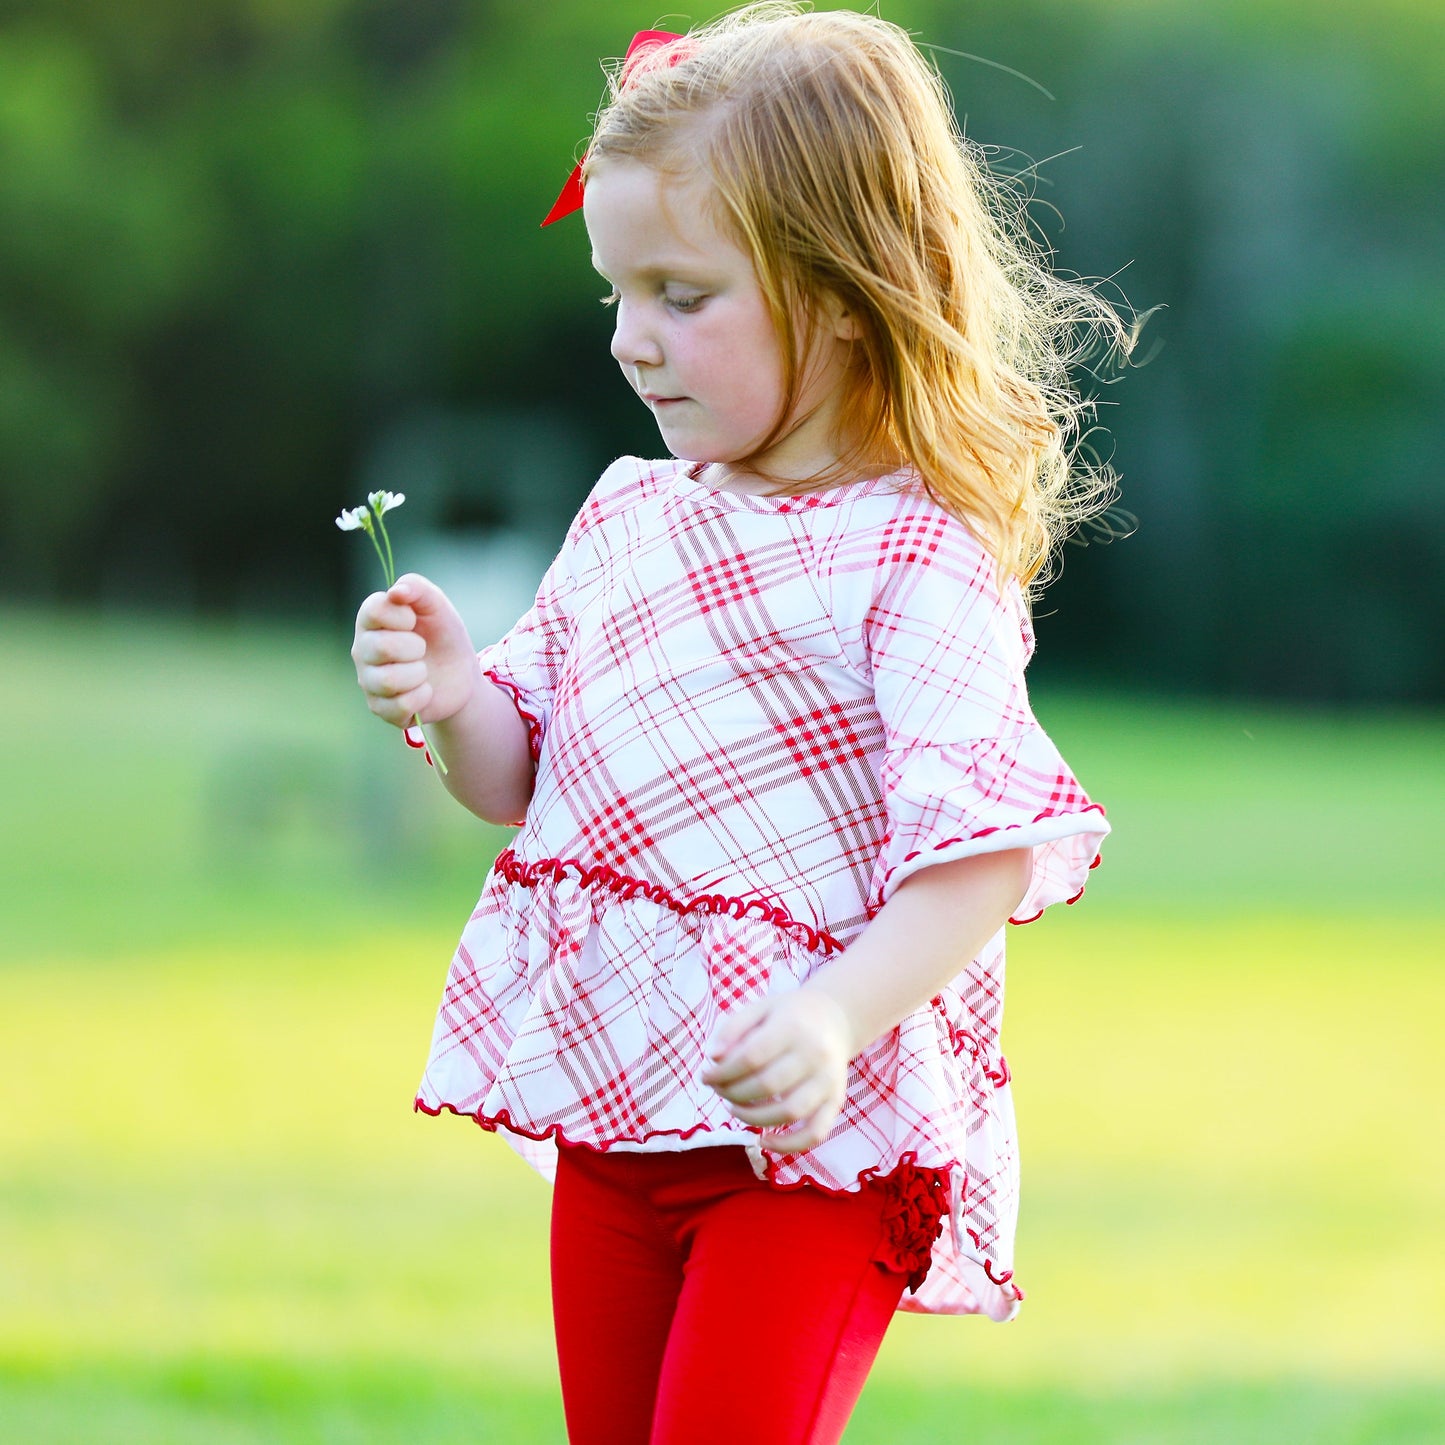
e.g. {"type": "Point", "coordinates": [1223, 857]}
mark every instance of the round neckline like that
{"type": "Point", "coordinates": [689, 483]}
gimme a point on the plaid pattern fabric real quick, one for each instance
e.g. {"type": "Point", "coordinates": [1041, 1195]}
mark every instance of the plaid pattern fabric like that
{"type": "Point", "coordinates": [752, 719]}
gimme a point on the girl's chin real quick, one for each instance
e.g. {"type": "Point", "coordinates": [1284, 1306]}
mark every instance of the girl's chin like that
{"type": "Point", "coordinates": [692, 449]}
{"type": "Point", "coordinates": [689, 447]}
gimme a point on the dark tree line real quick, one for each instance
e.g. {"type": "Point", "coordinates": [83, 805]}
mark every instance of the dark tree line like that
{"type": "Point", "coordinates": [242, 246]}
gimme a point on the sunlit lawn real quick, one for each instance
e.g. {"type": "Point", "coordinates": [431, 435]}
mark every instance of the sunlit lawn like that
{"type": "Point", "coordinates": [230, 902]}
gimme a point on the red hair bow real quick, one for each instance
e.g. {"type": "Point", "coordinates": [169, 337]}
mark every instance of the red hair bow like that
{"type": "Point", "coordinates": [571, 198]}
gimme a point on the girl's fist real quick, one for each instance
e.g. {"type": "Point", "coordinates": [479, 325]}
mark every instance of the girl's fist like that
{"type": "Point", "coordinates": [781, 1062]}
{"type": "Point", "coordinates": [412, 653]}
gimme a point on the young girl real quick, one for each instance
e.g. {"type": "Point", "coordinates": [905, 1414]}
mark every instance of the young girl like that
{"type": "Point", "coordinates": [738, 980]}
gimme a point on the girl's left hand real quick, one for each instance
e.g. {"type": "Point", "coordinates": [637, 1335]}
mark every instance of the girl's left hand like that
{"type": "Point", "coordinates": [783, 1060]}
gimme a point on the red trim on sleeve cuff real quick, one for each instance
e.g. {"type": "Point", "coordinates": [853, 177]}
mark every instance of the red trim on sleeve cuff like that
{"type": "Point", "coordinates": [534, 723]}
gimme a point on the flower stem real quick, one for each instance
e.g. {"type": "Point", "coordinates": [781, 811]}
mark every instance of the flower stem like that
{"type": "Point", "coordinates": [390, 562]}
{"type": "Point", "coordinates": [386, 570]}
{"type": "Point", "coordinates": [436, 757]}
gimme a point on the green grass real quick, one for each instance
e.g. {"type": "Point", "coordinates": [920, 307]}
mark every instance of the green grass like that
{"type": "Point", "coordinates": [194, 783]}
{"type": "Point", "coordinates": [219, 1220]}
{"type": "Point", "coordinates": [191, 783]}
{"type": "Point", "coordinates": [223, 1404]}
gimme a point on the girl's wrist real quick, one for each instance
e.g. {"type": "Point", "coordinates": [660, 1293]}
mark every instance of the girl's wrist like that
{"type": "Point", "coordinates": [470, 705]}
{"type": "Point", "coordinates": [854, 1029]}
{"type": "Point", "coordinates": [920, 939]}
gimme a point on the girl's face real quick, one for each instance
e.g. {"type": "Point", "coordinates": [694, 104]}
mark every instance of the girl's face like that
{"type": "Point", "coordinates": [694, 335]}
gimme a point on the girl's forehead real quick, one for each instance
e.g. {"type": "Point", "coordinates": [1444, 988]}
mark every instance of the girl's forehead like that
{"type": "Point", "coordinates": [643, 220]}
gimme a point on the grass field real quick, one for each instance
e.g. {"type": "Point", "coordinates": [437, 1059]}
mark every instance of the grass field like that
{"type": "Point", "coordinates": [230, 900]}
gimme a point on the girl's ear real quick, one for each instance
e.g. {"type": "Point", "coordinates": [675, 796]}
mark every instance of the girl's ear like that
{"type": "Point", "coordinates": [837, 319]}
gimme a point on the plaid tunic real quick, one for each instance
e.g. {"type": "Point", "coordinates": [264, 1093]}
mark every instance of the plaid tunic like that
{"type": "Point", "coordinates": [752, 719]}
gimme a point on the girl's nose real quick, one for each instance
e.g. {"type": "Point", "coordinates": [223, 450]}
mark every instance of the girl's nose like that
{"type": "Point", "coordinates": [633, 342]}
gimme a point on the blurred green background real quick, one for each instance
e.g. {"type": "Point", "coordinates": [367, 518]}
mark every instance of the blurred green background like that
{"type": "Point", "coordinates": [257, 257]}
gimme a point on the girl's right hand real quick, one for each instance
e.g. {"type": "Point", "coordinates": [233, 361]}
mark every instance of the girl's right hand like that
{"type": "Point", "coordinates": [412, 653]}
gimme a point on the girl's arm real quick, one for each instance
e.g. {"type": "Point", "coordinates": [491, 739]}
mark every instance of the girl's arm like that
{"type": "Point", "coordinates": [783, 1060]}
{"type": "Point", "coordinates": [413, 658]}
{"type": "Point", "coordinates": [487, 752]}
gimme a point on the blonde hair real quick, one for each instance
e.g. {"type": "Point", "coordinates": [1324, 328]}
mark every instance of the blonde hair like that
{"type": "Point", "coordinates": [838, 166]}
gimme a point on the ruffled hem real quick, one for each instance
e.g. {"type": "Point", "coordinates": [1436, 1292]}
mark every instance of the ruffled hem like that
{"type": "Point", "coordinates": [554, 1133]}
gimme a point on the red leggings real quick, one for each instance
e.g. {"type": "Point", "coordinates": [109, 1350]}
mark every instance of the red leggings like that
{"type": "Point", "coordinates": [695, 1303]}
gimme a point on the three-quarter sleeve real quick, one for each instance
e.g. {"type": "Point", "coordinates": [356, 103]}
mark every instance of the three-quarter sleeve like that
{"type": "Point", "coordinates": [966, 767]}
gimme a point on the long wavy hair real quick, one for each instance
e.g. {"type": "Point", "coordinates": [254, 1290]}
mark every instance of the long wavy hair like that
{"type": "Point", "coordinates": [839, 168]}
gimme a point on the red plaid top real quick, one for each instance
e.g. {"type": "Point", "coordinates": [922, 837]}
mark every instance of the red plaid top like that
{"type": "Point", "coordinates": [752, 718]}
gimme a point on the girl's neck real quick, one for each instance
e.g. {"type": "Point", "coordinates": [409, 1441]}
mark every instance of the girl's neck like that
{"type": "Point", "coordinates": [724, 477]}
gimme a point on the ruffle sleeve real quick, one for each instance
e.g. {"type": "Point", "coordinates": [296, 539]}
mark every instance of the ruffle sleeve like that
{"type": "Point", "coordinates": [966, 767]}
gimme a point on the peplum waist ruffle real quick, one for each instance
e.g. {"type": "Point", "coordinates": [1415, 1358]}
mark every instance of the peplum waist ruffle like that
{"type": "Point", "coordinates": [578, 1006]}
{"type": "Point", "coordinates": [603, 876]}
{"type": "Point", "coordinates": [580, 1000]}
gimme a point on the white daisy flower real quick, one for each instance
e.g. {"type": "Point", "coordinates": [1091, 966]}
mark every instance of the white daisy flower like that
{"type": "Point", "coordinates": [359, 519]}
{"type": "Point", "coordinates": [354, 519]}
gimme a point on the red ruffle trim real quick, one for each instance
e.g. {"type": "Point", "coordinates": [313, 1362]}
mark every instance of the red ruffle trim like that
{"type": "Point", "coordinates": [875, 906]}
{"type": "Point", "coordinates": [1004, 1278]}
{"type": "Point", "coordinates": [964, 1042]}
{"type": "Point", "coordinates": [419, 741]}
{"type": "Point", "coordinates": [510, 867]}
{"type": "Point", "coordinates": [917, 1204]}
{"type": "Point", "coordinates": [534, 723]}
{"type": "Point", "coordinates": [553, 1132]}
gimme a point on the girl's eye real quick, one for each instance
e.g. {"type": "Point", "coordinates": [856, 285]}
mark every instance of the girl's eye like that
{"type": "Point", "coordinates": [678, 303]}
